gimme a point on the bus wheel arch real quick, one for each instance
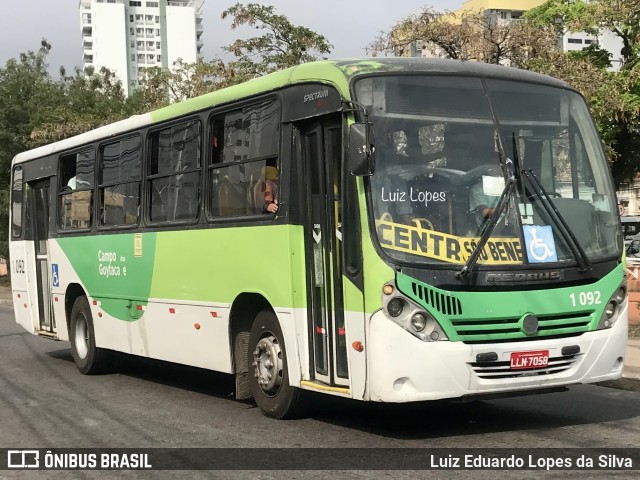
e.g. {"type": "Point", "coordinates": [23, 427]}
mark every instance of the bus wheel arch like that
{"type": "Point", "coordinates": [244, 310]}
{"type": "Point", "coordinates": [74, 291]}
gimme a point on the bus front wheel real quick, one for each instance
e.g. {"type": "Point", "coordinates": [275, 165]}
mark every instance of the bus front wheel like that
{"type": "Point", "coordinates": [89, 359]}
{"type": "Point", "coordinates": [268, 377]}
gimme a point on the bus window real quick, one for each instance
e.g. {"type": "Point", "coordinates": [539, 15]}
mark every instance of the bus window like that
{"type": "Point", "coordinates": [75, 190]}
{"type": "Point", "coordinates": [119, 182]}
{"type": "Point", "coordinates": [174, 173]}
{"type": "Point", "coordinates": [243, 168]}
{"type": "Point", "coordinates": [16, 203]}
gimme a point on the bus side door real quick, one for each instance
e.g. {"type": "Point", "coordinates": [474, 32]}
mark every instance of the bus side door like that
{"type": "Point", "coordinates": [38, 201]}
{"type": "Point", "coordinates": [321, 143]}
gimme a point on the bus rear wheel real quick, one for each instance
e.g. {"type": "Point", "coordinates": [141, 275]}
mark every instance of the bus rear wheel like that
{"type": "Point", "coordinates": [89, 359]}
{"type": "Point", "coordinates": [269, 378]}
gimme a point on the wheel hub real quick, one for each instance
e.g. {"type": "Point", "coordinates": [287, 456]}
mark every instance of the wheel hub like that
{"type": "Point", "coordinates": [267, 362]}
{"type": "Point", "coordinates": [82, 336]}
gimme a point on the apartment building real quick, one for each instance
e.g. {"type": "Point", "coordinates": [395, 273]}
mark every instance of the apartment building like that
{"type": "Point", "coordinates": [506, 10]}
{"type": "Point", "coordinates": [129, 35]}
{"type": "Point", "coordinates": [606, 39]}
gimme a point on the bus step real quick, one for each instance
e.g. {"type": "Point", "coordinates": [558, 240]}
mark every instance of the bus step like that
{"type": "Point", "coordinates": [324, 388]}
{"type": "Point", "coordinates": [45, 333]}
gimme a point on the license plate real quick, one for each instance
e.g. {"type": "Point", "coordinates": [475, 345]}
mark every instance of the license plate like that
{"type": "Point", "coordinates": [535, 359]}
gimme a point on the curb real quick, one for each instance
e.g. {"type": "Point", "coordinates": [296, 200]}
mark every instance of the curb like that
{"type": "Point", "coordinates": [629, 384]}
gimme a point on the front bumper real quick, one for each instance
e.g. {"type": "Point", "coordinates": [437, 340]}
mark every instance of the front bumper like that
{"type": "Point", "coordinates": [403, 368]}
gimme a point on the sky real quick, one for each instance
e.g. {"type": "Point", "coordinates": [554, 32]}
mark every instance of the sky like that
{"type": "Point", "coordinates": [348, 24]}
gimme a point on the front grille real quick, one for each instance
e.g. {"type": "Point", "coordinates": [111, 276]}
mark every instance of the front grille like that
{"type": "Point", "coordinates": [446, 304]}
{"type": "Point", "coordinates": [510, 329]}
{"type": "Point", "coordinates": [498, 370]}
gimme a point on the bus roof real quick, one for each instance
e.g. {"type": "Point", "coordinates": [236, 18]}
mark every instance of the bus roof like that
{"type": "Point", "coordinates": [335, 72]}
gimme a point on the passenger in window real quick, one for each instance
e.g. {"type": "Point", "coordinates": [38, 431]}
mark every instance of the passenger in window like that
{"type": "Point", "coordinates": [270, 197]}
{"type": "Point", "coordinates": [269, 190]}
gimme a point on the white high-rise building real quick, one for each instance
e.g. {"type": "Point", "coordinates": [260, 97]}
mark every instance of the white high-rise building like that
{"type": "Point", "coordinates": [128, 35]}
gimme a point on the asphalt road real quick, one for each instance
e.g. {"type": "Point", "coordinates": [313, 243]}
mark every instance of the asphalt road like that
{"type": "Point", "coordinates": [46, 403]}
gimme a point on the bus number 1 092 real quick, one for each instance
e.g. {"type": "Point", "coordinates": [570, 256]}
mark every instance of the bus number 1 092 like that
{"type": "Point", "coordinates": [585, 298]}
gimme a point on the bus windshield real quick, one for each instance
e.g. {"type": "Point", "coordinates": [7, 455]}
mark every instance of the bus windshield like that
{"type": "Point", "coordinates": [443, 145]}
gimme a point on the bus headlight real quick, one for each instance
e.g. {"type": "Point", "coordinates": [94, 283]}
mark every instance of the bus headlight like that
{"type": "Point", "coordinates": [614, 306]}
{"type": "Point", "coordinates": [418, 321]}
{"type": "Point", "coordinates": [610, 311]}
{"type": "Point", "coordinates": [421, 324]}
{"type": "Point", "coordinates": [395, 307]}
{"type": "Point", "coordinates": [621, 295]}
{"type": "Point", "coordinates": [410, 316]}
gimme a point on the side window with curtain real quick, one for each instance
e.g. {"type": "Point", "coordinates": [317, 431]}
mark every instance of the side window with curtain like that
{"type": "Point", "coordinates": [243, 169]}
{"type": "Point", "coordinates": [119, 182]}
{"type": "Point", "coordinates": [75, 190]}
{"type": "Point", "coordinates": [174, 173]}
{"type": "Point", "coordinates": [16, 203]}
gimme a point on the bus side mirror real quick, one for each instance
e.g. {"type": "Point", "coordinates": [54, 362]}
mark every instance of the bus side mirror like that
{"type": "Point", "coordinates": [361, 149]}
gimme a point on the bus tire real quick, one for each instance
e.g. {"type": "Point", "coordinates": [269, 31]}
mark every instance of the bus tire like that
{"type": "Point", "coordinates": [268, 375]}
{"type": "Point", "coordinates": [89, 359]}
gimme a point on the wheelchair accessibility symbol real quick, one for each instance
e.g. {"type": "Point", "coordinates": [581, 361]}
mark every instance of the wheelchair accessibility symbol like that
{"type": "Point", "coordinates": [541, 247]}
{"type": "Point", "coordinates": [54, 275]}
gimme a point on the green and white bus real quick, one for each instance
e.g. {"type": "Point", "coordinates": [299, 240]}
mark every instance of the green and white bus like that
{"type": "Point", "coordinates": [389, 230]}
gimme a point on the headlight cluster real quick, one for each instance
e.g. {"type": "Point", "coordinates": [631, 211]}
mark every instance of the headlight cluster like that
{"type": "Point", "coordinates": [410, 316]}
{"type": "Point", "coordinates": [614, 306]}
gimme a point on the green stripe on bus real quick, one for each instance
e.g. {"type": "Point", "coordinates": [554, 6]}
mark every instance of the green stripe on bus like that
{"type": "Point", "coordinates": [115, 269]}
{"type": "Point", "coordinates": [204, 265]}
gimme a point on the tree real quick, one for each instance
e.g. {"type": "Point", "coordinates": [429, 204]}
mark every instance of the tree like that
{"type": "Point", "coordinates": [614, 95]}
{"type": "Point", "coordinates": [88, 99]}
{"type": "Point", "coordinates": [622, 17]}
{"type": "Point", "coordinates": [36, 109]}
{"type": "Point", "coordinates": [185, 80]}
{"type": "Point", "coordinates": [283, 44]}
{"type": "Point", "coordinates": [26, 93]}
{"type": "Point", "coordinates": [471, 35]}
{"type": "Point", "coordinates": [593, 54]}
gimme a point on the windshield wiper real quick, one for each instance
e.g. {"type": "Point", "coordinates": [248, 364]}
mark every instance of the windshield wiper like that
{"type": "Point", "coordinates": [556, 217]}
{"type": "Point", "coordinates": [552, 211]}
{"type": "Point", "coordinates": [503, 203]}
{"type": "Point", "coordinates": [511, 174]}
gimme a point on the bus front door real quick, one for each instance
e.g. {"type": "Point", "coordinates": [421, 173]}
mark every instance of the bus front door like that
{"type": "Point", "coordinates": [321, 145]}
{"type": "Point", "coordinates": [38, 218]}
